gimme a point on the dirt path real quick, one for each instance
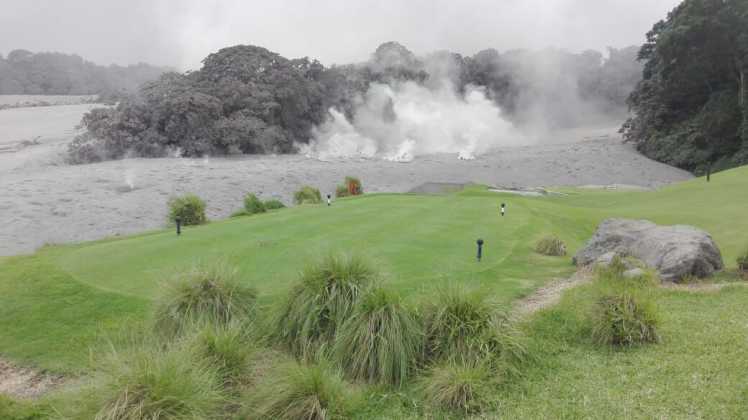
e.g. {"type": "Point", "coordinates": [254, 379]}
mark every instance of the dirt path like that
{"type": "Point", "coordinates": [20, 382]}
{"type": "Point", "coordinates": [550, 294]}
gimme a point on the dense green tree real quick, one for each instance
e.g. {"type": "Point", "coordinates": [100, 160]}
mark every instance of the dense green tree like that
{"type": "Point", "coordinates": [690, 108]}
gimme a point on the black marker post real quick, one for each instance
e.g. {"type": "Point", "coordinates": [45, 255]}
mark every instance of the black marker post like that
{"type": "Point", "coordinates": [480, 248]}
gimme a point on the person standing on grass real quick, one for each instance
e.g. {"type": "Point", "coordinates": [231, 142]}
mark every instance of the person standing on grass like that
{"type": "Point", "coordinates": [329, 202]}
{"type": "Point", "coordinates": [503, 209]}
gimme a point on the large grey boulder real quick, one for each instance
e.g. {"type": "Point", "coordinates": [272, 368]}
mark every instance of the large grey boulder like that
{"type": "Point", "coordinates": [675, 251]}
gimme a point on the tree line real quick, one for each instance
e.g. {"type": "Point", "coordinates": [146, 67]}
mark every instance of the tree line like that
{"type": "Point", "coordinates": [23, 72]}
{"type": "Point", "coordinates": [248, 100]}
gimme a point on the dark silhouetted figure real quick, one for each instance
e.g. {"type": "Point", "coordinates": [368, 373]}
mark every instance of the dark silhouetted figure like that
{"type": "Point", "coordinates": [503, 209]}
{"type": "Point", "coordinates": [329, 202]}
{"type": "Point", "coordinates": [480, 248]}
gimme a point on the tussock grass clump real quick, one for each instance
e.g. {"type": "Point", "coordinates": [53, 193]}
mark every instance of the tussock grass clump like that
{"type": "Point", "coordinates": [207, 294]}
{"type": "Point", "coordinates": [325, 296]}
{"type": "Point", "coordinates": [274, 205]}
{"type": "Point", "coordinates": [307, 195]}
{"type": "Point", "coordinates": [465, 387]}
{"type": "Point", "coordinates": [351, 186]}
{"type": "Point", "coordinates": [227, 349]}
{"type": "Point", "coordinates": [158, 384]}
{"type": "Point", "coordinates": [253, 205]}
{"type": "Point", "coordinates": [624, 318]}
{"type": "Point", "coordinates": [189, 209]}
{"type": "Point", "coordinates": [742, 262]}
{"type": "Point", "coordinates": [300, 392]}
{"type": "Point", "coordinates": [551, 245]}
{"type": "Point", "coordinates": [465, 326]}
{"type": "Point", "coordinates": [381, 342]}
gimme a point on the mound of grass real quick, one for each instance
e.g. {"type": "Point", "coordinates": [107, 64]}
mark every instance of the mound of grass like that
{"type": "Point", "coordinates": [253, 205]}
{"type": "Point", "coordinates": [466, 327]}
{"type": "Point", "coordinates": [381, 342]}
{"type": "Point", "coordinates": [207, 294]}
{"type": "Point", "coordinates": [742, 262]}
{"type": "Point", "coordinates": [624, 318]}
{"type": "Point", "coordinates": [455, 323]}
{"type": "Point", "coordinates": [464, 387]}
{"type": "Point", "coordinates": [227, 349]}
{"type": "Point", "coordinates": [351, 186]}
{"type": "Point", "coordinates": [189, 208]}
{"type": "Point", "coordinates": [274, 205]}
{"type": "Point", "coordinates": [160, 384]}
{"type": "Point", "coordinates": [551, 245]}
{"type": "Point", "coordinates": [307, 195]}
{"type": "Point", "coordinates": [316, 307]}
{"type": "Point", "coordinates": [295, 392]}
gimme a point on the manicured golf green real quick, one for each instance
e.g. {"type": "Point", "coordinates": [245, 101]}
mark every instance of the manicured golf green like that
{"type": "Point", "coordinates": [55, 304]}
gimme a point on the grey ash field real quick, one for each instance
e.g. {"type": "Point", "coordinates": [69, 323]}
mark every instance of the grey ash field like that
{"type": "Point", "coordinates": [46, 201]}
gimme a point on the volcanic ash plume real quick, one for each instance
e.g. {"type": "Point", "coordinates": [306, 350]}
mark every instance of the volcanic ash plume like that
{"type": "Point", "coordinates": [407, 120]}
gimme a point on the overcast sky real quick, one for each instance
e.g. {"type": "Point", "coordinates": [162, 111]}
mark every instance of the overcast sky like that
{"type": "Point", "coordinates": [179, 33]}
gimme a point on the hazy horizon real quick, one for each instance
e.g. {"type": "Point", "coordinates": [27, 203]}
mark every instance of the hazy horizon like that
{"type": "Point", "coordinates": [181, 33]}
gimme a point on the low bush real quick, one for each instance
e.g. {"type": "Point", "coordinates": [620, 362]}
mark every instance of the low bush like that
{"type": "Point", "coordinates": [300, 392]}
{"type": "Point", "coordinates": [160, 384]}
{"type": "Point", "coordinates": [274, 205]}
{"type": "Point", "coordinates": [381, 341]}
{"type": "Point", "coordinates": [253, 205]}
{"type": "Point", "coordinates": [624, 318]}
{"type": "Point", "coordinates": [316, 307]}
{"type": "Point", "coordinates": [227, 349]}
{"type": "Point", "coordinates": [551, 246]}
{"type": "Point", "coordinates": [350, 187]}
{"type": "Point", "coordinates": [307, 195]}
{"type": "Point", "coordinates": [465, 387]}
{"type": "Point", "coordinates": [189, 208]}
{"type": "Point", "coordinates": [210, 294]}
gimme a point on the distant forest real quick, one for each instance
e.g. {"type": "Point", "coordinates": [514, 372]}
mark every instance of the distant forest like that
{"type": "Point", "coordinates": [48, 73]}
{"type": "Point", "coordinates": [248, 100]}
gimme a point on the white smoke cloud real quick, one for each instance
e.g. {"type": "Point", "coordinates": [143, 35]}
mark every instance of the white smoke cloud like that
{"type": "Point", "coordinates": [402, 121]}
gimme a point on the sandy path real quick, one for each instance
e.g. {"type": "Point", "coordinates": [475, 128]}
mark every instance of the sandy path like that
{"type": "Point", "coordinates": [44, 201]}
{"type": "Point", "coordinates": [24, 383]}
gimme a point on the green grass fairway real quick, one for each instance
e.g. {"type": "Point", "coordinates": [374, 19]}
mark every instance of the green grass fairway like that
{"type": "Point", "coordinates": [55, 304]}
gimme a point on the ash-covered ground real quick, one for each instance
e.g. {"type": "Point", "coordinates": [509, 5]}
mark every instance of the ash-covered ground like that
{"type": "Point", "coordinates": [46, 201]}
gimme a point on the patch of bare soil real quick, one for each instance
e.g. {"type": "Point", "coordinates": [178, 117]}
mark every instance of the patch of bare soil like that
{"type": "Point", "coordinates": [20, 382]}
{"type": "Point", "coordinates": [550, 294]}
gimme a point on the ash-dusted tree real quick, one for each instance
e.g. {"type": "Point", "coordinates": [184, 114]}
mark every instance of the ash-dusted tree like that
{"type": "Point", "coordinates": [691, 108]}
{"type": "Point", "coordinates": [245, 99]}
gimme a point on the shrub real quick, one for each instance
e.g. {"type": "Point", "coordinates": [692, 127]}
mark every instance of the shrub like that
{"type": "Point", "coordinates": [227, 349]}
{"type": "Point", "coordinates": [351, 186]}
{"type": "Point", "coordinates": [253, 205]}
{"type": "Point", "coordinates": [551, 246]}
{"type": "Point", "coordinates": [381, 341]}
{"type": "Point", "coordinates": [274, 205]}
{"type": "Point", "coordinates": [742, 262]}
{"type": "Point", "coordinates": [321, 301]}
{"type": "Point", "coordinates": [190, 209]}
{"type": "Point", "coordinates": [466, 387]}
{"type": "Point", "coordinates": [307, 195]}
{"type": "Point", "coordinates": [300, 392]}
{"type": "Point", "coordinates": [341, 191]}
{"type": "Point", "coordinates": [158, 384]}
{"type": "Point", "coordinates": [209, 294]}
{"type": "Point", "coordinates": [624, 319]}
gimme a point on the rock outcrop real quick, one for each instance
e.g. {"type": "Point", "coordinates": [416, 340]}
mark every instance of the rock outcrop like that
{"type": "Point", "coordinates": [674, 251]}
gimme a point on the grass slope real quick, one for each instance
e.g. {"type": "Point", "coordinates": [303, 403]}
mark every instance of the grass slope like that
{"type": "Point", "coordinates": [54, 304]}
